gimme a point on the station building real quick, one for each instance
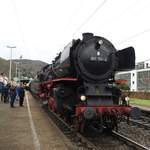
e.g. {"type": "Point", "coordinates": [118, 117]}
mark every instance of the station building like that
{"type": "Point", "coordinates": [139, 78]}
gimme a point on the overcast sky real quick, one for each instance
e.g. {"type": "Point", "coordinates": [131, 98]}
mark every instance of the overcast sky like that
{"type": "Point", "coordinates": [41, 28]}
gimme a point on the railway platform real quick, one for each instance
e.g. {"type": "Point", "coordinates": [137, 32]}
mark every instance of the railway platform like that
{"type": "Point", "coordinates": [29, 128]}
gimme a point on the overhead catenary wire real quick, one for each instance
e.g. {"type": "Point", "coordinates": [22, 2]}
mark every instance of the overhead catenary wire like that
{"type": "Point", "coordinates": [18, 21]}
{"type": "Point", "coordinates": [146, 60]}
{"type": "Point", "coordinates": [121, 14]}
{"type": "Point", "coordinates": [87, 19]}
{"type": "Point", "coordinates": [71, 17]}
{"type": "Point", "coordinates": [134, 36]}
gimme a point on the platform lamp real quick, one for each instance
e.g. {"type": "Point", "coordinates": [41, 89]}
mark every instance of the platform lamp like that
{"type": "Point", "coordinates": [17, 63]}
{"type": "Point", "coordinates": [10, 63]}
{"type": "Point", "coordinates": [20, 68]}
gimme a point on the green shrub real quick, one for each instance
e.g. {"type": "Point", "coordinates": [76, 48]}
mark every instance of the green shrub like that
{"type": "Point", "coordinates": [124, 87]}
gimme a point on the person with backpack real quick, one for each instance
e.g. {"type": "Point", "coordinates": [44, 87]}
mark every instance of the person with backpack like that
{"type": "Point", "coordinates": [5, 92]}
{"type": "Point", "coordinates": [21, 93]}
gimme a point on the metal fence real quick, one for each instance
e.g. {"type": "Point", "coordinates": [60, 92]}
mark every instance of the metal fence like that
{"type": "Point", "coordinates": [125, 76]}
{"type": "Point", "coordinates": [143, 81]}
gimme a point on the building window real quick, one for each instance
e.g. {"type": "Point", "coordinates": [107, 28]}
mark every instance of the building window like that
{"type": "Point", "coordinates": [132, 82]}
{"type": "Point", "coordinates": [147, 66]}
{"type": "Point", "coordinates": [133, 74]}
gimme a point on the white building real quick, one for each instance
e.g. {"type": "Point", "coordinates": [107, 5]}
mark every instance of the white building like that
{"type": "Point", "coordinates": [139, 78]}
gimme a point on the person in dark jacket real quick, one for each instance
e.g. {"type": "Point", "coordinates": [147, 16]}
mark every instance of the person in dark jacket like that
{"type": "Point", "coordinates": [21, 93]}
{"type": "Point", "coordinates": [1, 90]}
{"type": "Point", "coordinates": [5, 91]}
{"type": "Point", "coordinates": [1, 86]}
{"type": "Point", "coordinates": [12, 94]}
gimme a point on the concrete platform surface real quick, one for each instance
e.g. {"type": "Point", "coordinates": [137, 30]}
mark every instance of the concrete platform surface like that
{"type": "Point", "coordinates": [28, 128]}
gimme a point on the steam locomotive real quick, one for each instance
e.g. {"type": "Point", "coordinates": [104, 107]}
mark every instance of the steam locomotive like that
{"type": "Point", "coordinates": [80, 86]}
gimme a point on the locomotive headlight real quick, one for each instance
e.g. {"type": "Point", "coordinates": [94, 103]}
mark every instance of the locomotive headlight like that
{"type": "Point", "coordinates": [127, 98]}
{"type": "Point", "coordinates": [100, 42]}
{"type": "Point", "coordinates": [83, 98]}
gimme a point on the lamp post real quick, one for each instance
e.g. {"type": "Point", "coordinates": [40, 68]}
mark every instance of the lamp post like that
{"type": "Point", "coordinates": [10, 63]}
{"type": "Point", "coordinates": [17, 63]}
{"type": "Point", "coordinates": [20, 69]}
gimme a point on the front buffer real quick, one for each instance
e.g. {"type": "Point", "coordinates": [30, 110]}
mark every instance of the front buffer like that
{"type": "Point", "coordinates": [98, 118]}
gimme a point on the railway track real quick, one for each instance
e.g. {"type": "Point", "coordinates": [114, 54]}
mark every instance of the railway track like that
{"type": "Point", "coordinates": [129, 141]}
{"type": "Point", "coordinates": [145, 113]}
{"type": "Point", "coordinates": [104, 142]}
{"type": "Point", "coordinates": [79, 141]}
{"type": "Point", "coordinates": [141, 123]}
{"type": "Point", "coordinates": [136, 131]}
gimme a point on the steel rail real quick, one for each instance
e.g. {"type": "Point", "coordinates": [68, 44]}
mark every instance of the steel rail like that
{"type": "Point", "coordinates": [130, 141]}
{"type": "Point", "coordinates": [143, 124]}
{"type": "Point", "coordinates": [84, 142]}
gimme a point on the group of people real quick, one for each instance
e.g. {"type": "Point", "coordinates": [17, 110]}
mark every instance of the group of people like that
{"type": "Point", "coordinates": [9, 92]}
{"type": "Point", "coordinates": [16, 93]}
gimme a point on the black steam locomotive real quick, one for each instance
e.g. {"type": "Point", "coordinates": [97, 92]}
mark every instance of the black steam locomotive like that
{"type": "Point", "coordinates": [80, 83]}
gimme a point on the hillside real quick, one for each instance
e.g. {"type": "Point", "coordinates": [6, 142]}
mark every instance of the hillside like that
{"type": "Point", "coordinates": [28, 67]}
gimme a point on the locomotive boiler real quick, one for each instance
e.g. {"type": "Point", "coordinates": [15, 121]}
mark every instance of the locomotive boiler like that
{"type": "Point", "coordinates": [79, 84]}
